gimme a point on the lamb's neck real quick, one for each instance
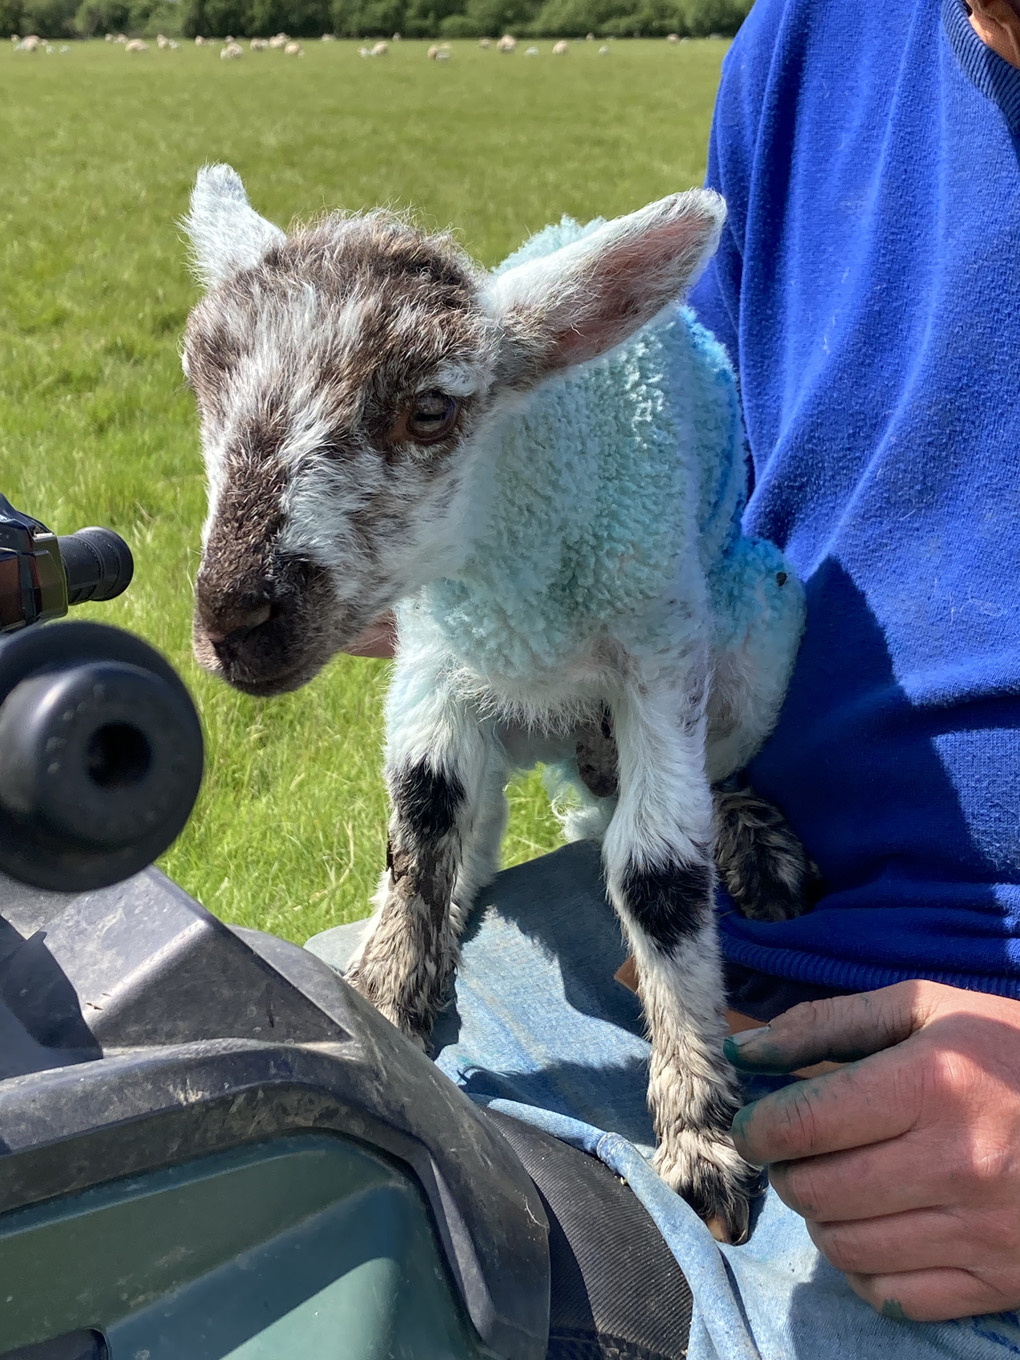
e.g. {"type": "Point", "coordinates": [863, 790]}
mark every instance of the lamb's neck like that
{"type": "Point", "coordinates": [517, 480]}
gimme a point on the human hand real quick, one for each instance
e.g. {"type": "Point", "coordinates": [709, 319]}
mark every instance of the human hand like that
{"type": "Point", "coordinates": [378, 639]}
{"type": "Point", "coordinates": [905, 1163]}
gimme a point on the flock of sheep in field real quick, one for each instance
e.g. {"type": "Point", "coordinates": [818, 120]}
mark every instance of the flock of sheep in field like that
{"type": "Point", "coordinates": [231, 49]}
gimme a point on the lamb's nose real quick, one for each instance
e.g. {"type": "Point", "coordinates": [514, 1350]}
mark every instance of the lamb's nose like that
{"type": "Point", "coordinates": [237, 623]}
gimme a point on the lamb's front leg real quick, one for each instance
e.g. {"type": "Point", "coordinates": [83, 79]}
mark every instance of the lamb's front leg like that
{"type": "Point", "coordinates": [660, 871]}
{"type": "Point", "coordinates": [437, 757]}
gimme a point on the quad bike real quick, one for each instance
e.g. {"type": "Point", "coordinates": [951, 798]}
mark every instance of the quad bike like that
{"type": "Point", "coordinates": [210, 1146]}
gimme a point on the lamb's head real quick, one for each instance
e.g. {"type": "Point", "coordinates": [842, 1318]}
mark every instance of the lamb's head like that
{"type": "Point", "coordinates": [351, 377]}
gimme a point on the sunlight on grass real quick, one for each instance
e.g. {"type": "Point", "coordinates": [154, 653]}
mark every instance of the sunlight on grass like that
{"type": "Point", "coordinates": [98, 152]}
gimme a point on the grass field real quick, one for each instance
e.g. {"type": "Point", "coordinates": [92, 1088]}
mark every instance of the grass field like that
{"type": "Point", "coordinates": [98, 150]}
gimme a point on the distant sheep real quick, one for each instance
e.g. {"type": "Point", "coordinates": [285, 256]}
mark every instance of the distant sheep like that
{"type": "Point", "coordinates": [379, 49]}
{"type": "Point", "coordinates": [136, 45]}
{"type": "Point", "coordinates": [200, 41]}
{"type": "Point", "coordinates": [231, 52]}
{"type": "Point", "coordinates": [672, 37]}
{"type": "Point", "coordinates": [258, 45]}
{"type": "Point", "coordinates": [327, 37]}
{"type": "Point", "coordinates": [603, 50]}
{"type": "Point", "coordinates": [162, 42]}
{"type": "Point", "coordinates": [279, 40]}
{"type": "Point", "coordinates": [506, 44]}
{"type": "Point", "coordinates": [561, 48]}
{"type": "Point", "coordinates": [293, 49]}
{"type": "Point", "coordinates": [531, 51]}
{"type": "Point", "coordinates": [485, 43]}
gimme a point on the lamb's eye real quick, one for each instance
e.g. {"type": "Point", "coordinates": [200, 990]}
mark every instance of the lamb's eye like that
{"type": "Point", "coordinates": [431, 417]}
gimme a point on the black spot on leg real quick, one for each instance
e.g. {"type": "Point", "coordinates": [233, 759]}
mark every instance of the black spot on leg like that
{"type": "Point", "coordinates": [426, 800]}
{"type": "Point", "coordinates": [669, 903]}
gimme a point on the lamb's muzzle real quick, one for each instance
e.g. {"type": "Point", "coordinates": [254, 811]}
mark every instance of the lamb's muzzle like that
{"type": "Point", "coordinates": [543, 470]}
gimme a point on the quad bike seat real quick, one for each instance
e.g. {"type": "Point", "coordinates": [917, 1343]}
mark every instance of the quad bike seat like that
{"type": "Point", "coordinates": [211, 1147]}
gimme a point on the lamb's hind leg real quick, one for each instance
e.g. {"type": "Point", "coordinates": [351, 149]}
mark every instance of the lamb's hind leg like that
{"type": "Point", "coordinates": [436, 759]}
{"type": "Point", "coordinates": [761, 862]}
{"type": "Point", "coordinates": [658, 855]}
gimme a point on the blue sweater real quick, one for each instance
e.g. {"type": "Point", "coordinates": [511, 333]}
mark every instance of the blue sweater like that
{"type": "Point", "coordinates": [868, 291]}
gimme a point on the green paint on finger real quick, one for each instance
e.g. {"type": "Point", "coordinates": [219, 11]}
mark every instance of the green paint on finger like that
{"type": "Point", "coordinates": [892, 1308]}
{"type": "Point", "coordinates": [757, 1054]}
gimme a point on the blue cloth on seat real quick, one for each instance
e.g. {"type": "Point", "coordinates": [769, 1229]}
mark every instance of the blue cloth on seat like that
{"type": "Point", "coordinates": [540, 1030]}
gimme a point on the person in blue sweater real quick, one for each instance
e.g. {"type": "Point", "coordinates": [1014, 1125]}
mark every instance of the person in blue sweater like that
{"type": "Point", "coordinates": [867, 288]}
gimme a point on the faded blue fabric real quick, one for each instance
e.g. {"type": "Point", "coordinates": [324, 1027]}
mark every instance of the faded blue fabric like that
{"type": "Point", "coordinates": [540, 1029]}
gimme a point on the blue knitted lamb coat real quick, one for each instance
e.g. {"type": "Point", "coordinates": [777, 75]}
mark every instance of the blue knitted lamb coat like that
{"type": "Point", "coordinates": [618, 489]}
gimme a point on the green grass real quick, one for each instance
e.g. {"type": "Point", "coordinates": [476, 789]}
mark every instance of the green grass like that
{"type": "Point", "coordinates": [98, 151]}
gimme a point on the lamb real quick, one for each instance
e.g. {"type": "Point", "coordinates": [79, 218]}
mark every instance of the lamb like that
{"type": "Point", "coordinates": [543, 470]}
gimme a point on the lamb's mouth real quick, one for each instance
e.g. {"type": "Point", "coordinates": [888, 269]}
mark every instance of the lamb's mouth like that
{"type": "Point", "coordinates": [262, 680]}
{"type": "Point", "coordinates": [266, 685]}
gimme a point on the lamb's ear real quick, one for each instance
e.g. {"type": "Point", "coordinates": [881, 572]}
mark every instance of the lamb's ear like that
{"type": "Point", "coordinates": [589, 296]}
{"type": "Point", "coordinates": [226, 232]}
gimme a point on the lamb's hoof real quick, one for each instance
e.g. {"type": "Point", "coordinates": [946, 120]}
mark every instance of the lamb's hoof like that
{"type": "Point", "coordinates": [761, 862]}
{"type": "Point", "coordinates": [718, 1184]}
{"type": "Point", "coordinates": [355, 977]}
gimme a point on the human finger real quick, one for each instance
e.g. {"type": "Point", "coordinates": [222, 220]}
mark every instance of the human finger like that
{"type": "Point", "coordinates": [869, 1182]}
{"type": "Point", "coordinates": [867, 1102]}
{"type": "Point", "coordinates": [934, 1295]}
{"type": "Point", "coordinates": [920, 1239]}
{"type": "Point", "coordinates": [834, 1029]}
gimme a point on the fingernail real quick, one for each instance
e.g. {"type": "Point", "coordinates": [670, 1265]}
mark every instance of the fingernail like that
{"type": "Point", "coordinates": [748, 1036]}
{"type": "Point", "coordinates": [736, 1045]}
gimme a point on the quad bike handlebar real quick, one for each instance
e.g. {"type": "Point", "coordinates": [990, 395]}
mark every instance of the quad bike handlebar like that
{"type": "Point", "coordinates": [101, 749]}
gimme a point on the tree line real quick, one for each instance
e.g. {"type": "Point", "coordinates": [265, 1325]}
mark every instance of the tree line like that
{"type": "Point", "coordinates": [373, 18]}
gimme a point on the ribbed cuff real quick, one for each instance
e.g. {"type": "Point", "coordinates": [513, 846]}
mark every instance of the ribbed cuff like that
{"type": "Point", "coordinates": [994, 77]}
